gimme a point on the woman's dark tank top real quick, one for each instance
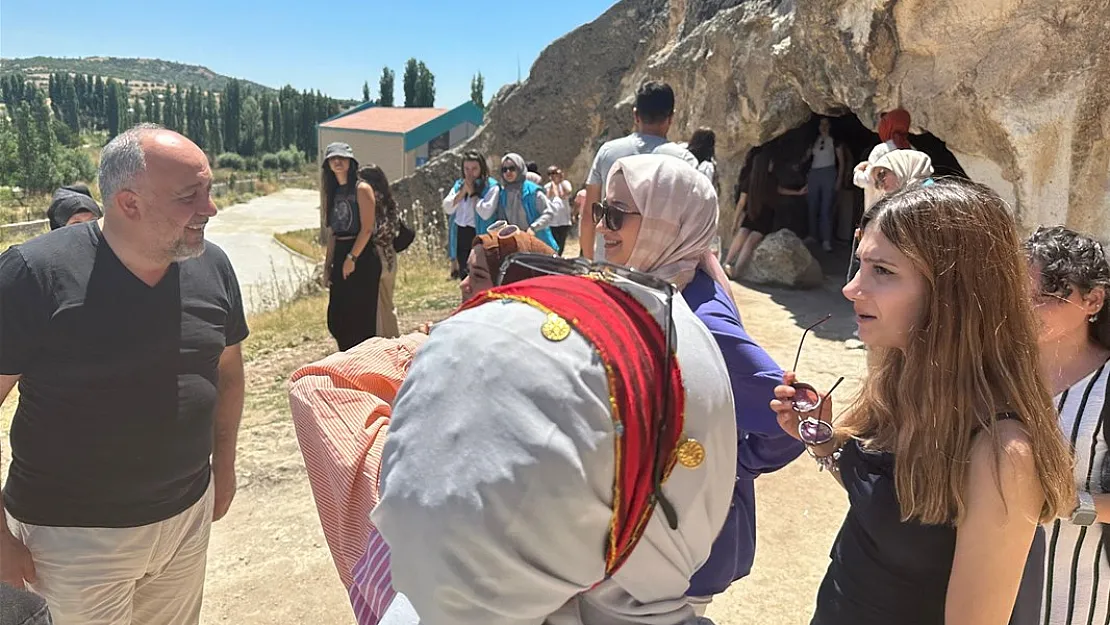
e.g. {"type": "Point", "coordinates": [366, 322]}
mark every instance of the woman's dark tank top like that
{"type": "Point", "coordinates": [886, 571]}
{"type": "Point", "coordinates": [343, 216]}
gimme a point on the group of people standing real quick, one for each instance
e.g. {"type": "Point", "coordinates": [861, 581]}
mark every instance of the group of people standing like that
{"type": "Point", "coordinates": [952, 458]}
{"type": "Point", "coordinates": [477, 201]}
{"type": "Point", "coordinates": [825, 186]}
{"type": "Point", "coordinates": [578, 443]}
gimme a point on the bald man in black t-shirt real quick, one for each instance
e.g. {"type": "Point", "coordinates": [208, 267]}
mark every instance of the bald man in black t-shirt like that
{"type": "Point", "coordinates": [124, 337]}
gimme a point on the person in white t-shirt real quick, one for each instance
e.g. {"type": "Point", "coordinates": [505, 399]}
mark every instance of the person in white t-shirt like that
{"type": "Point", "coordinates": [559, 194]}
{"type": "Point", "coordinates": [824, 172]}
{"type": "Point", "coordinates": [653, 113]}
{"type": "Point", "coordinates": [703, 145]}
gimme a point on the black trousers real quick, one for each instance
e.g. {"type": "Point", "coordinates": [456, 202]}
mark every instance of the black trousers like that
{"type": "Point", "coordinates": [464, 240]}
{"type": "Point", "coordinates": [560, 233]}
{"type": "Point", "coordinates": [353, 303]}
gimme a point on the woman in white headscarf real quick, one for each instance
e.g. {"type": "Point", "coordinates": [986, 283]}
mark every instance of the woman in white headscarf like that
{"type": "Point", "coordinates": [898, 169]}
{"type": "Point", "coordinates": [891, 172]}
{"type": "Point", "coordinates": [659, 216]}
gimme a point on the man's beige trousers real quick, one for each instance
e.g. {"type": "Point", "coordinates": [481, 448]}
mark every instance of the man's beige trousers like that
{"type": "Point", "coordinates": [149, 575]}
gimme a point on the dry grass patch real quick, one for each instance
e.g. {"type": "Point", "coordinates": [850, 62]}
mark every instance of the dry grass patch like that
{"type": "Point", "coordinates": [304, 242]}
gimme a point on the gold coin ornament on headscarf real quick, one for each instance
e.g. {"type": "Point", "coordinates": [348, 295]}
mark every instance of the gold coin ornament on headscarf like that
{"type": "Point", "coordinates": [555, 328]}
{"type": "Point", "coordinates": [691, 453]}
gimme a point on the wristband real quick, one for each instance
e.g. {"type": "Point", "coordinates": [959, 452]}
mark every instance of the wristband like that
{"type": "Point", "coordinates": [829, 462]}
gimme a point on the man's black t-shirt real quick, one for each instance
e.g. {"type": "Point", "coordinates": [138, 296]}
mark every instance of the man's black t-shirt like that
{"type": "Point", "coordinates": [119, 379]}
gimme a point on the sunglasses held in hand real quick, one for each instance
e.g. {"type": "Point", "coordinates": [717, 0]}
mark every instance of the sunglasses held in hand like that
{"type": "Point", "coordinates": [807, 401]}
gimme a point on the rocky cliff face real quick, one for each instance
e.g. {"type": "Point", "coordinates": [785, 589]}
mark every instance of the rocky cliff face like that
{"type": "Point", "coordinates": [1019, 90]}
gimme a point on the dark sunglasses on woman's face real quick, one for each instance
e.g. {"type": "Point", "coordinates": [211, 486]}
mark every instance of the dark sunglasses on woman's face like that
{"type": "Point", "coordinates": [506, 170]}
{"type": "Point", "coordinates": [612, 215]}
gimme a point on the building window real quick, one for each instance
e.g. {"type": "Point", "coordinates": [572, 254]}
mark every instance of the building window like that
{"type": "Point", "coordinates": [439, 145]}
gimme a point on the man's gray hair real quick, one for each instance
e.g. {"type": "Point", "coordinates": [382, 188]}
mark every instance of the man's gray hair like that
{"type": "Point", "coordinates": [121, 160]}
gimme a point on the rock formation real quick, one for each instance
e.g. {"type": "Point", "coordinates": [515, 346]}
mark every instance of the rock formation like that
{"type": "Point", "coordinates": [1020, 91]}
{"type": "Point", "coordinates": [783, 260]}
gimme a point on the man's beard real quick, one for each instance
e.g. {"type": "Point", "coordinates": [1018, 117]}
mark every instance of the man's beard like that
{"type": "Point", "coordinates": [183, 250]}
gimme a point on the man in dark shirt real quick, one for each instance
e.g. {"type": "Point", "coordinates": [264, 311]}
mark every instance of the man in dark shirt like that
{"type": "Point", "coordinates": [124, 337]}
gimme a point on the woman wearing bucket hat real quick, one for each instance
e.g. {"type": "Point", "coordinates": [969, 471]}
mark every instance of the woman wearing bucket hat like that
{"type": "Point", "coordinates": [353, 277]}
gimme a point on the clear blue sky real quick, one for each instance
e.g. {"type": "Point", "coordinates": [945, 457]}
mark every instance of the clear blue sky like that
{"type": "Point", "coordinates": [333, 47]}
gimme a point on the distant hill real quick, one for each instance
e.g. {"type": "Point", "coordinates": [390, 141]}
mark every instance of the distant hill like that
{"type": "Point", "coordinates": [143, 74]}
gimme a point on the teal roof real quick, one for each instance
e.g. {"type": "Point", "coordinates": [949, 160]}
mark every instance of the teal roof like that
{"type": "Point", "coordinates": [468, 112]}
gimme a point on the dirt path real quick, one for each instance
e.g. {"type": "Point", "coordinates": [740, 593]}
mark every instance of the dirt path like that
{"type": "Point", "coordinates": [269, 563]}
{"type": "Point", "coordinates": [267, 273]}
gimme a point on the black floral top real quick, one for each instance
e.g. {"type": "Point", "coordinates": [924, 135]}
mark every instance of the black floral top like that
{"type": "Point", "coordinates": [386, 225]}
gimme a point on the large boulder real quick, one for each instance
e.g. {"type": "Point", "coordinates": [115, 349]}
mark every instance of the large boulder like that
{"type": "Point", "coordinates": [781, 259]}
{"type": "Point", "coordinates": [1017, 90]}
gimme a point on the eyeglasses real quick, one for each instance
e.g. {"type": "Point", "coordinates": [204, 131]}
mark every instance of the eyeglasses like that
{"type": "Point", "coordinates": [611, 214]}
{"type": "Point", "coordinates": [506, 170]}
{"type": "Point", "coordinates": [521, 266]}
{"type": "Point", "coordinates": [812, 430]}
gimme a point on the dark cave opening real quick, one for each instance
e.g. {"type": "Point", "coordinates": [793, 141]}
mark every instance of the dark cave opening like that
{"type": "Point", "coordinates": [790, 168]}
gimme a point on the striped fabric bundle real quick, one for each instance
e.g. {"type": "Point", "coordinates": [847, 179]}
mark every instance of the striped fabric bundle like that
{"type": "Point", "coordinates": [341, 409]}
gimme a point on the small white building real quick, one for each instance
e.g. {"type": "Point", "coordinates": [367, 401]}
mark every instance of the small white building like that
{"type": "Point", "coordinates": [399, 139]}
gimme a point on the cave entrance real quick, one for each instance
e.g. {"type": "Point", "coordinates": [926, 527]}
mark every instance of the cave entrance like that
{"type": "Point", "coordinates": [790, 168]}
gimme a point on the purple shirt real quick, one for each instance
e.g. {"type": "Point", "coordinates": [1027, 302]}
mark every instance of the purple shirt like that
{"type": "Point", "coordinates": [762, 446]}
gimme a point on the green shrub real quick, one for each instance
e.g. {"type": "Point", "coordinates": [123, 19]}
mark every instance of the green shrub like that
{"type": "Point", "coordinates": [251, 163]}
{"type": "Point", "coordinates": [231, 160]}
{"type": "Point", "coordinates": [291, 158]}
{"type": "Point", "coordinates": [65, 134]}
{"type": "Point", "coordinates": [271, 161]}
{"type": "Point", "coordinates": [75, 165]}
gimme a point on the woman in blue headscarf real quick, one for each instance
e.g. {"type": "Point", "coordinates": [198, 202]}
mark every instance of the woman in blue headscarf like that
{"type": "Point", "coordinates": [522, 202]}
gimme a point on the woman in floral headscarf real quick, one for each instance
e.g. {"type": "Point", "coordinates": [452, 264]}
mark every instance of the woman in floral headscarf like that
{"type": "Point", "coordinates": [900, 169]}
{"type": "Point", "coordinates": [660, 216]}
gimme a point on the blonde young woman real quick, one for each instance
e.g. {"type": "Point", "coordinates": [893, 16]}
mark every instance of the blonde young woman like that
{"type": "Point", "coordinates": [951, 455]}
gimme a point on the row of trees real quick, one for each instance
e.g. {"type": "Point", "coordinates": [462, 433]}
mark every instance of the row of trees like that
{"type": "Point", "coordinates": [238, 120]}
{"type": "Point", "coordinates": [419, 87]}
{"type": "Point", "coordinates": [41, 134]}
{"type": "Point", "coordinates": [31, 154]}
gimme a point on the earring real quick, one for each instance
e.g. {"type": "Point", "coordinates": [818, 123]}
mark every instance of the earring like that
{"type": "Point", "coordinates": [1092, 319]}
